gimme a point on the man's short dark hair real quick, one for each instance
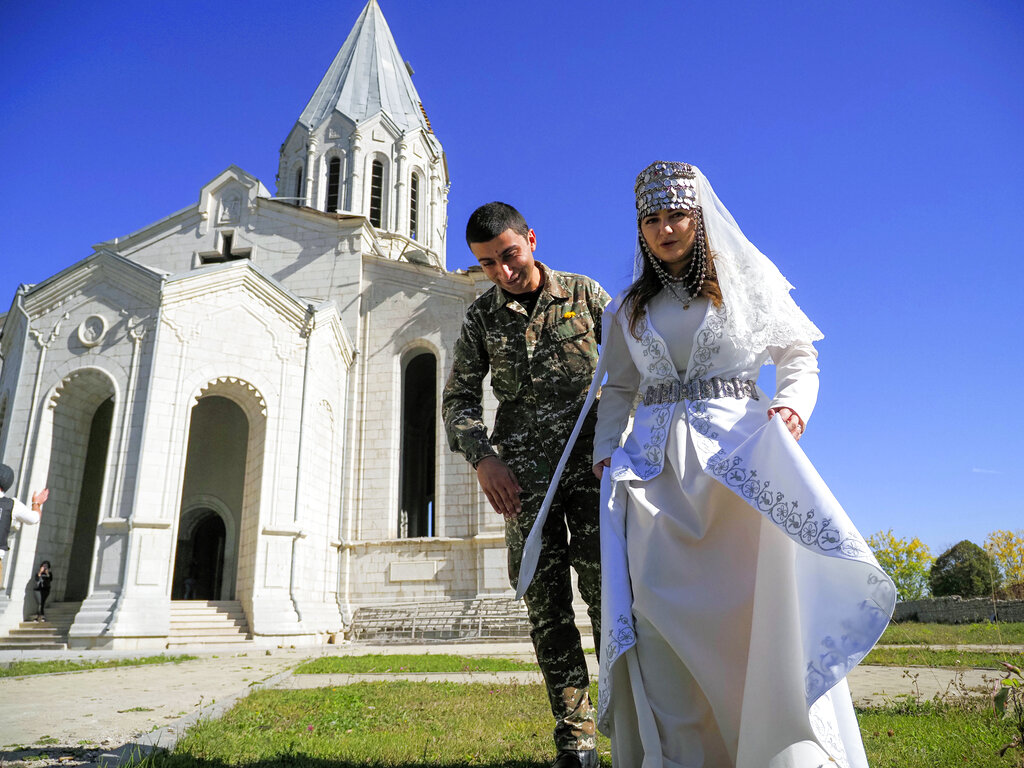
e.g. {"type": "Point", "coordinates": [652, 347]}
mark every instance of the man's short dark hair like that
{"type": "Point", "coordinates": [490, 220]}
{"type": "Point", "coordinates": [6, 478]}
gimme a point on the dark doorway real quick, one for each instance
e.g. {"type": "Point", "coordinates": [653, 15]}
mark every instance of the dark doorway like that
{"type": "Point", "coordinates": [84, 537]}
{"type": "Point", "coordinates": [416, 489]}
{"type": "Point", "coordinates": [199, 562]}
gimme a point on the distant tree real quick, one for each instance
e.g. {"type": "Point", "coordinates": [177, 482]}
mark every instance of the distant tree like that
{"type": "Point", "coordinates": [1007, 549]}
{"type": "Point", "coordinates": [964, 569]}
{"type": "Point", "coordinates": [906, 562]}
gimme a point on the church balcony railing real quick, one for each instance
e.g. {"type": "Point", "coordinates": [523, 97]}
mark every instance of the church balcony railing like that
{"type": "Point", "coordinates": [401, 248]}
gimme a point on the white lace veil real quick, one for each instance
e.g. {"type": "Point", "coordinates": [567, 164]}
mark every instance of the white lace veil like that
{"type": "Point", "coordinates": [760, 313]}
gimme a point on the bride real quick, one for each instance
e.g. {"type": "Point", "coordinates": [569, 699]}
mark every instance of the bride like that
{"type": "Point", "coordinates": [736, 593]}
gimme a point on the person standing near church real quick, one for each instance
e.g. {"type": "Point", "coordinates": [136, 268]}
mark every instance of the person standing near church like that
{"type": "Point", "coordinates": [12, 510]}
{"type": "Point", "coordinates": [536, 332]}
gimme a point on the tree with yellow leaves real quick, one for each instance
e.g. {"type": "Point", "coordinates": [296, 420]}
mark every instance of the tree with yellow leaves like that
{"type": "Point", "coordinates": [1007, 549]}
{"type": "Point", "coordinates": [906, 562]}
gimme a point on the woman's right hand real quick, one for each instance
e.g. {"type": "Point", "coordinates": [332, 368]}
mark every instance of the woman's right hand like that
{"type": "Point", "coordinates": [599, 467]}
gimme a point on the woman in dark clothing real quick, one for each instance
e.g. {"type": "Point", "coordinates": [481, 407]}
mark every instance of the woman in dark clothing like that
{"type": "Point", "coordinates": [42, 588]}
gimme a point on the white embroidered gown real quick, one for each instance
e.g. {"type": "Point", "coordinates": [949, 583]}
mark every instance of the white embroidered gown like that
{"type": "Point", "coordinates": [736, 592]}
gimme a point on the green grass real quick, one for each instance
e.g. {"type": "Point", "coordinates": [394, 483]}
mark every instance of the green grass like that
{"type": "Point", "coordinates": [925, 657]}
{"type": "Point", "coordinates": [381, 724]}
{"type": "Point", "coordinates": [909, 633]}
{"type": "Point", "coordinates": [445, 725]}
{"type": "Point", "coordinates": [929, 735]}
{"type": "Point", "coordinates": [19, 668]}
{"type": "Point", "coordinates": [380, 663]}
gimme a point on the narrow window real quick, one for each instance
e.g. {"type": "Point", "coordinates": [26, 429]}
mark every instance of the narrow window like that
{"type": "Point", "coordinates": [416, 489]}
{"type": "Point", "coordinates": [414, 206]}
{"type": "Point", "coordinates": [376, 192]}
{"type": "Point", "coordinates": [299, 194]}
{"type": "Point", "coordinates": [333, 184]}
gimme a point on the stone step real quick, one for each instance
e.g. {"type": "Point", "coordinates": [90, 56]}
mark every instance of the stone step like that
{"type": "Point", "coordinates": [179, 642]}
{"type": "Point", "coordinates": [8, 646]}
{"type": "Point", "coordinates": [179, 632]}
{"type": "Point", "coordinates": [207, 622]}
{"type": "Point", "coordinates": [40, 633]}
{"type": "Point", "coordinates": [200, 625]}
{"type": "Point", "coordinates": [207, 617]}
{"type": "Point", "coordinates": [44, 642]}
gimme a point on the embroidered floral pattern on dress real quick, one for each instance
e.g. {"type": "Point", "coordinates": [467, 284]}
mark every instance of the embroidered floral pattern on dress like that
{"type": "Point", "coordinates": [658, 370]}
{"type": "Point", "coordinates": [826, 729]}
{"type": "Point", "coordinates": [618, 639]}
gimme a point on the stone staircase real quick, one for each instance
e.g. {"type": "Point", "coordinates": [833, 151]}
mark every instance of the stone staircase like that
{"type": "Point", "coordinates": [201, 622]}
{"type": "Point", "coordinates": [51, 634]}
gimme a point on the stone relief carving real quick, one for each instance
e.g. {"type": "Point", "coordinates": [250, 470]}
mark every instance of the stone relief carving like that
{"type": "Point", "coordinates": [230, 208]}
{"type": "Point", "coordinates": [92, 330]}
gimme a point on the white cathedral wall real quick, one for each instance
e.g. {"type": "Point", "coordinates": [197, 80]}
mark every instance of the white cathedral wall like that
{"type": "Point", "coordinates": [410, 308]}
{"type": "Point", "coordinates": [84, 320]}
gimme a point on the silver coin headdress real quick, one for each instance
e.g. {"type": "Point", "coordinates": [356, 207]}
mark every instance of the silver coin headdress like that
{"type": "Point", "coordinates": [664, 185]}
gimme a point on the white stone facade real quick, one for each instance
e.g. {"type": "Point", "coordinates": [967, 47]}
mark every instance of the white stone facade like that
{"type": "Point", "coordinates": [216, 400]}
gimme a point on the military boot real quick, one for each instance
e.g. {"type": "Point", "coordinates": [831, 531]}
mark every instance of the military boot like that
{"type": "Point", "coordinates": [572, 758]}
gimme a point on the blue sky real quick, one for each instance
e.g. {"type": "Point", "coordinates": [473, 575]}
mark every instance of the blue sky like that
{"type": "Point", "coordinates": [872, 149]}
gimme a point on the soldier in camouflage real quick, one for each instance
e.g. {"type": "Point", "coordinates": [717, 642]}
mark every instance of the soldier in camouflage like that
{"type": "Point", "coordinates": [536, 331]}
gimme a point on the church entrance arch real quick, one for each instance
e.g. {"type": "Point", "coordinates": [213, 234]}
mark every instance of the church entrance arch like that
{"type": "Point", "coordinates": [218, 521]}
{"type": "Point", "coordinates": [79, 430]}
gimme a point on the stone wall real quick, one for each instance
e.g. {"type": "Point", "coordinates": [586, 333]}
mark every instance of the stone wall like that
{"type": "Point", "coordinates": [957, 610]}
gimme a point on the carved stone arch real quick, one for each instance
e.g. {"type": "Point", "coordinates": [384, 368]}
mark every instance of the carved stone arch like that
{"type": "Point", "coordinates": [244, 394]}
{"type": "Point", "coordinates": [325, 406]}
{"type": "Point", "coordinates": [73, 371]}
{"type": "Point", "coordinates": [76, 448]}
{"type": "Point", "coordinates": [224, 460]}
{"type": "Point", "coordinates": [92, 384]}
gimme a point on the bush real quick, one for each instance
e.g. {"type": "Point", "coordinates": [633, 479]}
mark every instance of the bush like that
{"type": "Point", "coordinates": [906, 562]}
{"type": "Point", "coordinates": [1007, 549]}
{"type": "Point", "coordinates": [964, 569]}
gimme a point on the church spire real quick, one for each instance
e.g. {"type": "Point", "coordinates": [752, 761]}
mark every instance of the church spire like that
{"type": "Point", "coordinates": [364, 145]}
{"type": "Point", "coordinates": [366, 77]}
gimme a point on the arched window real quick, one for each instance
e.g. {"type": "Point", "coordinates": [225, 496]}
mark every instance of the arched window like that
{"type": "Point", "coordinates": [299, 193]}
{"type": "Point", "coordinates": [419, 428]}
{"type": "Point", "coordinates": [414, 206]}
{"type": "Point", "coordinates": [376, 193]}
{"type": "Point", "coordinates": [333, 184]}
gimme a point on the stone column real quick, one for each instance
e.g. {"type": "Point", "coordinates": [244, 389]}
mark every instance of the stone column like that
{"type": "Point", "coordinates": [355, 191]}
{"type": "Point", "coordinates": [433, 239]}
{"type": "Point", "coordinates": [310, 159]}
{"type": "Point", "coordinates": [401, 217]}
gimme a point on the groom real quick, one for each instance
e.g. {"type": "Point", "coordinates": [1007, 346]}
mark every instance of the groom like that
{"type": "Point", "coordinates": [535, 331]}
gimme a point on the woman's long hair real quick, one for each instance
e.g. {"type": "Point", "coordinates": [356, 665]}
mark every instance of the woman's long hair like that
{"type": "Point", "coordinates": [648, 285]}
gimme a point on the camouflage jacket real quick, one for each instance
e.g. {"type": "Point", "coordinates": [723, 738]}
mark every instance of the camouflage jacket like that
{"type": "Point", "coordinates": [541, 367]}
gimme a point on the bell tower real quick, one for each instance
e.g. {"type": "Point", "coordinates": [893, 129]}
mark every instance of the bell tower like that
{"type": "Point", "coordinates": [364, 145]}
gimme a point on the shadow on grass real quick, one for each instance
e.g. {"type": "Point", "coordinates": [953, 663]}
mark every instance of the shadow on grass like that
{"type": "Point", "coordinates": [143, 756]}
{"type": "Point", "coordinates": [161, 759]}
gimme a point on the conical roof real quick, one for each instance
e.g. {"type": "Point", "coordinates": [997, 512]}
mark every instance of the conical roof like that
{"type": "Point", "coordinates": [366, 77]}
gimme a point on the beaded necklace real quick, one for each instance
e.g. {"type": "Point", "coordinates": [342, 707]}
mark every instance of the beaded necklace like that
{"type": "Point", "coordinates": [693, 281]}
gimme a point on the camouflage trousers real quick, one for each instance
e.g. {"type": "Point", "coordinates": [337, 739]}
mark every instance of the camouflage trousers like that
{"type": "Point", "coordinates": [570, 537]}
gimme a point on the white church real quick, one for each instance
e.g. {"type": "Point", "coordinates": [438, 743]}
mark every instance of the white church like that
{"type": "Point", "coordinates": [240, 403]}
